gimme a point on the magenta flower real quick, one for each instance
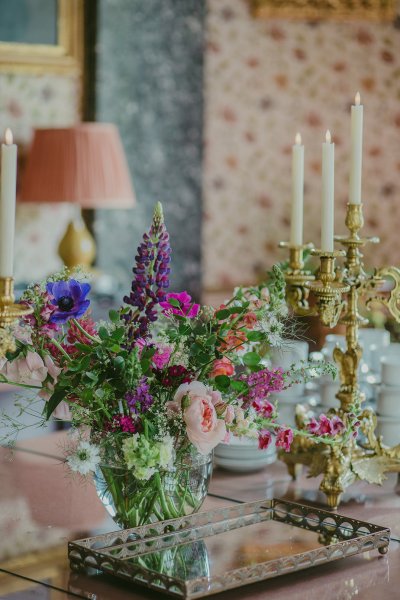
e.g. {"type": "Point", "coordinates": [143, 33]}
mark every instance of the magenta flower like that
{"type": "Point", "coordinates": [181, 305]}
{"type": "Point", "coordinates": [264, 439]}
{"type": "Point", "coordinates": [161, 357]}
{"type": "Point", "coordinates": [284, 438]}
{"type": "Point", "coordinates": [69, 299]}
{"type": "Point", "coordinates": [261, 384]}
{"type": "Point", "coordinates": [263, 407]}
{"type": "Point", "coordinates": [326, 426]}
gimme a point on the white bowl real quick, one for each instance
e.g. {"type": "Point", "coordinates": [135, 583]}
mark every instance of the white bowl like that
{"type": "Point", "coordinates": [390, 370]}
{"type": "Point", "coordinates": [389, 429]}
{"type": "Point", "coordinates": [243, 455]}
{"type": "Point", "coordinates": [388, 401]}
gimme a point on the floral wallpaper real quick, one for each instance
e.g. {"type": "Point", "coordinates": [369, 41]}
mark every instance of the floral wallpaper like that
{"type": "Point", "coordinates": [264, 81]}
{"type": "Point", "coordinates": [28, 101]}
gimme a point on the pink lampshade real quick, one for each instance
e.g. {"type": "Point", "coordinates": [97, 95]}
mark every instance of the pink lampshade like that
{"type": "Point", "coordinates": [85, 165]}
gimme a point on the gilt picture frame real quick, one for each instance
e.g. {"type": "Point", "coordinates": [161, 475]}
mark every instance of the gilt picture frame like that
{"type": "Point", "coordinates": [58, 51]}
{"type": "Point", "coordinates": [316, 10]}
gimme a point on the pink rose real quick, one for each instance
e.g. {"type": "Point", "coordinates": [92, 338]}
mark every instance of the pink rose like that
{"type": "Point", "coordinates": [203, 427]}
{"type": "Point", "coordinates": [222, 366]}
{"type": "Point", "coordinates": [29, 370]}
{"type": "Point", "coordinates": [284, 438]}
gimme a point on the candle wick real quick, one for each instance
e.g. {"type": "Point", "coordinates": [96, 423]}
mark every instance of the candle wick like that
{"type": "Point", "coordinates": [8, 136]}
{"type": "Point", "coordinates": [357, 99]}
{"type": "Point", "coordinates": [328, 137]}
{"type": "Point", "coordinates": [297, 139]}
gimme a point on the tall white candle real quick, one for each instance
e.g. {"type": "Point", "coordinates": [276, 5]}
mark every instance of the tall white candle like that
{"type": "Point", "coordinates": [7, 204]}
{"type": "Point", "coordinates": [356, 151]}
{"type": "Point", "coordinates": [327, 213]}
{"type": "Point", "coordinates": [296, 225]}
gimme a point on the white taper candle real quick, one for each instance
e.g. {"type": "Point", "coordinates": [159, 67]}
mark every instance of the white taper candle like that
{"type": "Point", "coordinates": [327, 213]}
{"type": "Point", "coordinates": [296, 224]}
{"type": "Point", "coordinates": [7, 204]}
{"type": "Point", "coordinates": [357, 111]}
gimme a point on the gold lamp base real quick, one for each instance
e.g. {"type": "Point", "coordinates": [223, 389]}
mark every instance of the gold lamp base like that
{"type": "Point", "coordinates": [77, 246]}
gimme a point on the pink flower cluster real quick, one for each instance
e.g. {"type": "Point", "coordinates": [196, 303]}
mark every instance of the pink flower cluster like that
{"type": "Point", "coordinates": [284, 438]}
{"type": "Point", "coordinates": [326, 426]}
{"type": "Point", "coordinates": [261, 384]}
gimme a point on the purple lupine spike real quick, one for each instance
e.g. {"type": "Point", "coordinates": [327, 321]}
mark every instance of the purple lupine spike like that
{"type": "Point", "coordinates": [151, 277]}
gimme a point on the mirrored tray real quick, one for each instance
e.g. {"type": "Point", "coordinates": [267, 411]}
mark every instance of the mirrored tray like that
{"type": "Point", "coordinates": [210, 552]}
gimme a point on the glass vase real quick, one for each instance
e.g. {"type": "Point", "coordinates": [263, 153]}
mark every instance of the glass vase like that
{"type": "Point", "coordinates": [166, 495]}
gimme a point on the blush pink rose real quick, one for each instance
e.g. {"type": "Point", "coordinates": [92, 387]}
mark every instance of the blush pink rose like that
{"type": "Point", "coordinates": [204, 429]}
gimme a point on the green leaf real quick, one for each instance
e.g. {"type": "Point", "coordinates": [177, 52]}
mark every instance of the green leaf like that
{"type": "Point", "coordinates": [53, 402]}
{"type": "Point", "coordinates": [100, 393]}
{"type": "Point", "coordinates": [103, 333]}
{"type": "Point", "coordinates": [174, 302]}
{"type": "Point", "coordinates": [223, 314]}
{"type": "Point", "coordinates": [239, 386]}
{"type": "Point", "coordinates": [211, 340]}
{"type": "Point", "coordinates": [114, 316]}
{"type": "Point", "coordinates": [82, 347]}
{"type": "Point", "coordinates": [115, 348]}
{"type": "Point", "coordinates": [119, 362]}
{"type": "Point", "coordinates": [90, 375]}
{"type": "Point", "coordinates": [195, 349]}
{"type": "Point", "coordinates": [255, 336]}
{"type": "Point", "coordinates": [222, 382]}
{"type": "Point", "coordinates": [85, 362]}
{"type": "Point", "coordinates": [251, 359]}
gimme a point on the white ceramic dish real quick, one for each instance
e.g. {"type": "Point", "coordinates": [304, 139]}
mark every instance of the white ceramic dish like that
{"type": "Point", "coordinates": [390, 370]}
{"type": "Point", "coordinates": [243, 455]}
{"type": "Point", "coordinates": [388, 401]}
{"type": "Point", "coordinates": [389, 429]}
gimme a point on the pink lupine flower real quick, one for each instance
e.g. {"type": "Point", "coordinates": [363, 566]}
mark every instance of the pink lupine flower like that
{"type": "Point", "coordinates": [284, 438]}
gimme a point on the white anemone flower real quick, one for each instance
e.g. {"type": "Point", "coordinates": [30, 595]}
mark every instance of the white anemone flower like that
{"type": "Point", "coordinates": [85, 458]}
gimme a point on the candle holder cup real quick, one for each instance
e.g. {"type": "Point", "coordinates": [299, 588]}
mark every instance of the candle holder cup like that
{"type": "Point", "coordinates": [10, 312]}
{"type": "Point", "coordinates": [338, 292]}
{"type": "Point", "coordinates": [296, 277]}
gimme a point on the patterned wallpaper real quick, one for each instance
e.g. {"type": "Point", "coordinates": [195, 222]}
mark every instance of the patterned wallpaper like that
{"type": "Point", "coordinates": [149, 82]}
{"type": "Point", "coordinates": [266, 80]}
{"type": "Point", "coordinates": [28, 101]}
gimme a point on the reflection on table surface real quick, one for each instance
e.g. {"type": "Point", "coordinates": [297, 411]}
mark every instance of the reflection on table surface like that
{"type": "Point", "coordinates": [42, 506]}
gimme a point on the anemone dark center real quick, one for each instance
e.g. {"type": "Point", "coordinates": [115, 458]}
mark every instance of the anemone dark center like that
{"type": "Point", "coordinates": [65, 303]}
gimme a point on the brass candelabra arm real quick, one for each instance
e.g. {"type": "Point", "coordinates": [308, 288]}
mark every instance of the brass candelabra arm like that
{"type": "Point", "coordinates": [377, 291]}
{"type": "Point", "coordinates": [10, 312]}
{"type": "Point", "coordinates": [297, 278]}
{"type": "Point", "coordinates": [327, 290]}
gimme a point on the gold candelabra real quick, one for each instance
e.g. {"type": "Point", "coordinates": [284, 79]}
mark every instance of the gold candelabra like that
{"type": "Point", "coordinates": [337, 293]}
{"type": "Point", "coordinates": [10, 312]}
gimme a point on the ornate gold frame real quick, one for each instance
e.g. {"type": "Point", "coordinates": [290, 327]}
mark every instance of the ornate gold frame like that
{"type": "Point", "coordinates": [63, 58]}
{"type": "Point", "coordinates": [315, 10]}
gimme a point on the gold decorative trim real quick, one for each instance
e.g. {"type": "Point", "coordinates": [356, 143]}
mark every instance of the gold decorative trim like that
{"type": "Point", "coordinates": [315, 10]}
{"type": "Point", "coordinates": [66, 57]}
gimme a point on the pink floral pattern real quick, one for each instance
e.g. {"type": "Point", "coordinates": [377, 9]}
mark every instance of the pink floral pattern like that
{"type": "Point", "coordinates": [264, 81]}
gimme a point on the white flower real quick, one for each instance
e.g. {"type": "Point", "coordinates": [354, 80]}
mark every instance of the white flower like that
{"type": "Point", "coordinates": [167, 453]}
{"type": "Point", "coordinates": [270, 325]}
{"type": "Point", "coordinates": [85, 458]}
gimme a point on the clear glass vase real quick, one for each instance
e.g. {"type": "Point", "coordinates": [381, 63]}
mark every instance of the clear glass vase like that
{"type": "Point", "coordinates": [166, 495]}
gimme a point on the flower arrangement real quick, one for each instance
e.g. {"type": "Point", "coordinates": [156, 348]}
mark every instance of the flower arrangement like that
{"type": "Point", "coordinates": [153, 390]}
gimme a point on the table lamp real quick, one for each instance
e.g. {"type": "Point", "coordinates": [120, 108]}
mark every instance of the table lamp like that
{"type": "Point", "coordinates": [84, 165]}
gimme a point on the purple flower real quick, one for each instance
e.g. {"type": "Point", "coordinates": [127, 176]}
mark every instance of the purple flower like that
{"type": "Point", "coordinates": [326, 426]}
{"type": "Point", "coordinates": [69, 298]}
{"type": "Point", "coordinates": [151, 278]}
{"type": "Point", "coordinates": [261, 384]}
{"type": "Point", "coordinates": [140, 400]}
{"type": "Point", "coordinates": [182, 305]}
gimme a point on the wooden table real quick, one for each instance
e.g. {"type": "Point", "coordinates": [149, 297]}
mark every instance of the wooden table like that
{"type": "Point", "coordinates": [42, 507]}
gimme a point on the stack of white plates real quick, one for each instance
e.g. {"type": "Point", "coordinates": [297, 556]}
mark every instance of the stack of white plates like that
{"type": "Point", "coordinates": [243, 455]}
